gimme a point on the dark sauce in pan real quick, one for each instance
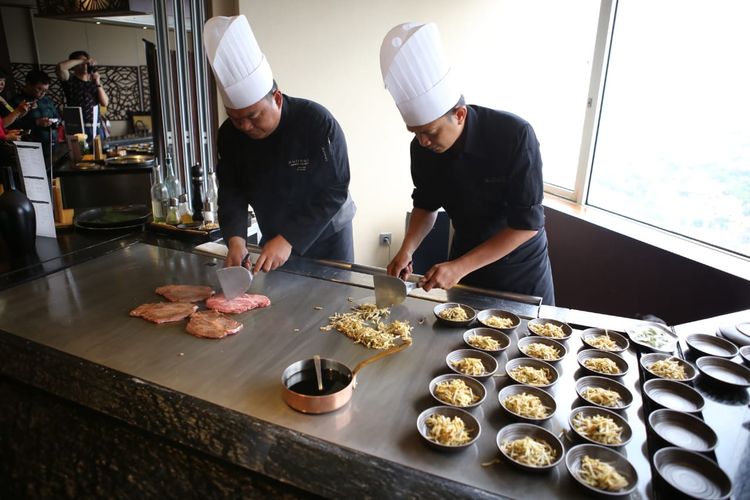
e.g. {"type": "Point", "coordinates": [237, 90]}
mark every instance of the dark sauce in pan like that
{"type": "Point", "coordinates": [333, 382]}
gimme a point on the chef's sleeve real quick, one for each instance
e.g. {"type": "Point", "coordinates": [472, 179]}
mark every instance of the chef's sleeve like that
{"type": "Point", "coordinates": [526, 186]}
{"type": "Point", "coordinates": [329, 161]}
{"type": "Point", "coordinates": [232, 200]}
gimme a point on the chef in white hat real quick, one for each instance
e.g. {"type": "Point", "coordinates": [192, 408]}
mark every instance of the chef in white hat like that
{"type": "Point", "coordinates": [481, 165]}
{"type": "Point", "coordinates": [284, 156]}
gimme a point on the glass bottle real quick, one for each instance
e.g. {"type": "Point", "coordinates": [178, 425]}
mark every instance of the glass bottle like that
{"type": "Point", "coordinates": [209, 216]}
{"type": "Point", "coordinates": [172, 215]}
{"type": "Point", "coordinates": [212, 190]}
{"type": "Point", "coordinates": [172, 182]}
{"type": "Point", "coordinates": [184, 213]}
{"type": "Point", "coordinates": [159, 197]}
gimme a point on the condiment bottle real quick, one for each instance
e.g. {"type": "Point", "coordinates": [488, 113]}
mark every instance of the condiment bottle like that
{"type": "Point", "coordinates": [209, 213]}
{"type": "Point", "coordinates": [159, 197]}
{"type": "Point", "coordinates": [172, 215]}
{"type": "Point", "coordinates": [184, 213]}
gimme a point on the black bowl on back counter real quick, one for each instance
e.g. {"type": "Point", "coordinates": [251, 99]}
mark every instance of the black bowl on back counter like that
{"type": "Point", "coordinates": [702, 344]}
{"type": "Point", "coordinates": [535, 325]}
{"type": "Point", "coordinates": [592, 354]}
{"type": "Point", "coordinates": [590, 335]}
{"type": "Point", "coordinates": [692, 474]}
{"type": "Point", "coordinates": [673, 395]}
{"type": "Point", "coordinates": [486, 317]}
{"type": "Point", "coordinates": [472, 426]}
{"type": "Point", "coordinates": [513, 432]}
{"type": "Point", "coordinates": [590, 436]}
{"type": "Point", "coordinates": [648, 360]}
{"type": "Point", "coordinates": [525, 342]}
{"type": "Point", "coordinates": [476, 387]}
{"type": "Point", "coordinates": [683, 430]}
{"type": "Point", "coordinates": [489, 362]}
{"type": "Point", "coordinates": [724, 371]}
{"type": "Point", "coordinates": [653, 337]}
{"type": "Point", "coordinates": [495, 335]}
{"type": "Point", "coordinates": [607, 455]}
{"type": "Point", "coordinates": [745, 354]}
{"type": "Point", "coordinates": [470, 313]}
{"type": "Point", "coordinates": [597, 382]}
{"type": "Point", "coordinates": [515, 389]}
{"type": "Point", "coordinates": [537, 364]}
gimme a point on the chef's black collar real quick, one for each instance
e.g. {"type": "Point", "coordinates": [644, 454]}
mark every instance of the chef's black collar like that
{"type": "Point", "coordinates": [469, 141]}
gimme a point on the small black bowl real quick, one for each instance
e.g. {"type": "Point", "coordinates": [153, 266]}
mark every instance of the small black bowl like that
{"type": "Point", "coordinates": [485, 316]}
{"type": "Point", "coordinates": [590, 411]}
{"type": "Point", "coordinates": [512, 432]}
{"type": "Point", "coordinates": [472, 425]}
{"type": "Point", "coordinates": [710, 345]}
{"type": "Point", "coordinates": [683, 430]}
{"type": "Point", "coordinates": [473, 384]}
{"type": "Point", "coordinates": [533, 363]}
{"type": "Point", "coordinates": [692, 474]}
{"type": "Point", "coordinates": [647, 361]}
{"type": "Point", "coordinates": [591, 334]}
{"type": "Point", "coordinates": [539, 322]}
{"type": "Point", "coordinates": [587, 354]}
{"type": "Point", "coordinates": [497, 335]}
{"type": "Point", "coordinates": [489, 362]}
{"type": "Point", "coordinates": [524, 342]}
{"type": "Point", "coordinates": [673, 395]}
{"type": "Point", "coordinates": [470, 312]}
{"type": "Point", "coordinates": [597, 382]}
{"type": "Point", "coordinates": [512, 390]}
{"type": "Point", "coordinates": [608, 455]}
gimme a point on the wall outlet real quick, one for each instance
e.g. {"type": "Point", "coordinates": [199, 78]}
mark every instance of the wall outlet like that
{"type": "Point", "coordinates": [385, 239]}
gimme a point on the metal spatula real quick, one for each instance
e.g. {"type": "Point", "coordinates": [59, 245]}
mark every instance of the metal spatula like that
{"type": "Point", "coordinates": [391, 291]}
{"type": "Point", "coordinates": [235, 280]}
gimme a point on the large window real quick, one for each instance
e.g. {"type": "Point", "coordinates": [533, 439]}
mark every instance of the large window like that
{"type": "Point", "coordinates": [673, 141]}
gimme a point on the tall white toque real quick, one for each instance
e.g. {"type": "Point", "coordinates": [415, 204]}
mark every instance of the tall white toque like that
{"type": "Point", "coordinates": [241, 69]}
{"type": "Point", "coordinates": [417, 74]}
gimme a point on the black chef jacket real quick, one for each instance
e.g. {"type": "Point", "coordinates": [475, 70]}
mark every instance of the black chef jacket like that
{"type": "Point", "coordinates": [491, 178]}
{"type": "Point", "coordinates": [296, 180]}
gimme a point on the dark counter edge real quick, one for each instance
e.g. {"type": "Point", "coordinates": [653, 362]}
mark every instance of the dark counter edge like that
{"type": "Point", "coordinates": [285, 455]}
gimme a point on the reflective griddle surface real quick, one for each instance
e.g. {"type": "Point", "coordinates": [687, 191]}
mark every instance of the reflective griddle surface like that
{"type": "Point", "coordinates": [83, 310]}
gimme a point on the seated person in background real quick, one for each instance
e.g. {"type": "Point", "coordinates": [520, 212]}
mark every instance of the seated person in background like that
{"type": "Point", "coordinates": [81, 83]}
{"type": "Point", "coordinates": [8, 112]}
{"type": "Point", "coordinates": [43, 113]}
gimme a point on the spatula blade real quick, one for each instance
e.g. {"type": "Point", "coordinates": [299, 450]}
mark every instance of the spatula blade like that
{"type": "Point", "coordinates": [234, 281]}
{"type": "Point", "coordinates": [389, 290]}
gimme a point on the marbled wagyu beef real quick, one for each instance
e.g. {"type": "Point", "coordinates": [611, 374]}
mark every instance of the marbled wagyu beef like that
{"type": "Point", "coordinates": [244, 302]}
{"type": "Point", "coordinates": [164, 312]}
{"type": "Point", "coordinates": [212, 325]}
{"type": "Point", "coordinates": [185, 293]}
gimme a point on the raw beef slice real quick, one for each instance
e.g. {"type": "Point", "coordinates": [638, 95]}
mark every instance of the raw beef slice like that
{"type": "Point", "coordinates": [185, 293]}
{"type": "Point", "coordinates": [164, 312]}
{"type": "Point", "coordinates": [212, 325]}
{"type": "Point", "coordinates": [244, 302]}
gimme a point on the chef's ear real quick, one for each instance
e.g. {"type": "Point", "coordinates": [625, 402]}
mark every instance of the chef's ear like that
{"type": "Point", "coordinates": [277, 98]}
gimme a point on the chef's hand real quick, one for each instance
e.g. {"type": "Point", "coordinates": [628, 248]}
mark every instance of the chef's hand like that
{"type": "Point", "coordinates": [275, 253]}
{"type": "Point", "coordinates": [444, 275]}
{"type": "Point", "coordinates": [237, 249]}
{"type": "Point", "coordinates": [401, 265]}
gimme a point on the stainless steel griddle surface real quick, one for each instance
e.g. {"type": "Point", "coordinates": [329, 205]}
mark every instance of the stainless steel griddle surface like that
{"type": "Point", "coordinates": [83, 310]}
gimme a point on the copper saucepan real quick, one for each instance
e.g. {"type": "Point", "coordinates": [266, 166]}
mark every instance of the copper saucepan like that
{"type": "Point", "coordinates": [301, 386]}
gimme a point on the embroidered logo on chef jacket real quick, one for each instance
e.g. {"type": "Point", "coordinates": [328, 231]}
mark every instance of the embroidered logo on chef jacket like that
{"type": "Point", "coordinates": [300, 165]}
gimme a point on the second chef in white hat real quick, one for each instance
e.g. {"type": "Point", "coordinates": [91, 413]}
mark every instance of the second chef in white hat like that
{"type": "Point", "coordinates": [481, 165]}
{"type": "Point", "coordinates": [285, 156]}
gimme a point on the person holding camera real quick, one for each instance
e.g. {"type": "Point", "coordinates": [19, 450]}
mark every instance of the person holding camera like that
{"type": "Point", "coordinates": [82, 86]}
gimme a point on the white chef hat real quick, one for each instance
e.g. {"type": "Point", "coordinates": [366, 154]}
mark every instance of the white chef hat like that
{"type": "Point", "coordinates": [241, 69]}
{"type": "Point", "coordinates": [417, 74]}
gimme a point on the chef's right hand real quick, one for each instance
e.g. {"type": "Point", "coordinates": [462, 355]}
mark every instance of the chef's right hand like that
{"type": "Point", "coordinates": [401, 265]}
{"type": "Point", "coordinates": [237, 249]}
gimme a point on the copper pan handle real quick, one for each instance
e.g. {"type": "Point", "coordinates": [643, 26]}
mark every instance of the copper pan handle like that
{"type": "Point", "coordinates": [380, 355]}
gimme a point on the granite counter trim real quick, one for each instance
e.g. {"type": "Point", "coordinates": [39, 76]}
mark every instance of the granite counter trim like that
{"type": "Point", "coordinates": [282, 454]}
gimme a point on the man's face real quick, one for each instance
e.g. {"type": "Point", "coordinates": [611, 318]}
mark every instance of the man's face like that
{"type": "Point", "coordinates": [439, 135]}
{"type": "Point", "coordinates": [259, 120]}
{"type": "Point", "coordinates": [81, 69]}
{"type": "Point", "coordinates": [37, 90]}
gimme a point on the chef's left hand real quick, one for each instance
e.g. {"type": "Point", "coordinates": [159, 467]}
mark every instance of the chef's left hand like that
{"type": "Point", "coordinates": [444, 275]}
{"type": "Point", "coordinates": [274, 254]}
